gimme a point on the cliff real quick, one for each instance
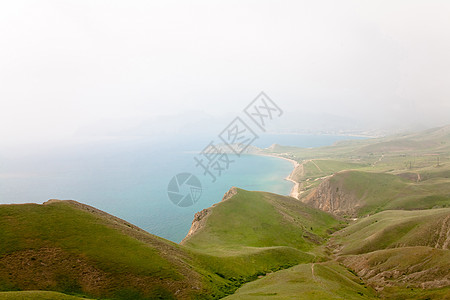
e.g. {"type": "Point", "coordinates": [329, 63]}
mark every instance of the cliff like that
{"type": "Point", "coordinates": [332, 197]}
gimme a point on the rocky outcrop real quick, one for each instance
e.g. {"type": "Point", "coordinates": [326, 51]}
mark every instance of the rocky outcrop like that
{"type": "Point", "coordinates": [198, 223]}
{"type": "Point", "coordinates": [231, 192]}
{"type": "Point", "coordinates": [331, 196]}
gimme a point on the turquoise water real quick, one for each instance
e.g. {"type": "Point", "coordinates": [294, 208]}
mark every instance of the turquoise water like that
{"type": "Point", "coordinates": [129, 178]}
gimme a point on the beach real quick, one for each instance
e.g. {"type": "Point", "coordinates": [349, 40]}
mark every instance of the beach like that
{"type": "Point", "coordinates": [295, 190]}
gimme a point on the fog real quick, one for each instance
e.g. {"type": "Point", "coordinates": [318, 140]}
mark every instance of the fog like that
{"type": "Point", "coordinates": [70, 69]}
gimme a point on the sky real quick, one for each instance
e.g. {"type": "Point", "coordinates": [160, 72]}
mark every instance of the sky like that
{"type": "Point", "coordinates": [70, 68]}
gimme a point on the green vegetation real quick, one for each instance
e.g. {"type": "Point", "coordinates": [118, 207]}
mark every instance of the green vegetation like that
{"type": "Point", "coordinates": [55, 225]}
{"type": "Point", "coordinates": [75, 249]}
{"type": "Point", "coordinates": [373, 222]}
{"type": "Point", "coordinates": [307, 281]}
{"type": "Point", "coordinates": [409, 272]}
{"type": "Point", "coordinates": [257, 219]}
{"type": "Point", "coordinates": [319, 168]}
{"type": "Point", "coordinates": [391, 229]}
{"type": "Point", "coordinates": [37, 295]}
{"type": "Point", "coordinates": [270, 231]}
{"type": "Point", "coordinates": [374, 192]}
{"type": "Point", "coordinates": [396, 293]}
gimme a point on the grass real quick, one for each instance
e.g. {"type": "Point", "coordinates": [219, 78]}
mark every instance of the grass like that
{"type": "Point", "coordinates": [324, 167]}
{"type": "Point", "coordinates": [37, 295]}
{"type": "Point", "coordinates": [56, 225]}
{"type": "Point", "coordinates": [330, 281]}
{"type": "Point", "coordinates": [258, 219]}
{"type": "Point", "coordinates": [255, 232]}
{"type": "Point", "coordinates": [396, 293]}
{"type": "Point", "coordinates": [367, 193]}
{"type": "Point", "coordinates": [63, 248]}
{"type": "Point", "coordinates": [404, 273]}
{"type": "Point", "coordinates": [391, 229]}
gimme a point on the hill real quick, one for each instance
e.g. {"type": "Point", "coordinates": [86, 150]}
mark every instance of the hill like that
{"type": "Point", "coordinates": [37, 295]}
{"type": "Point", "coordinates": [321, 281]}
{"type": "Point", "coordinates": [72, 248]}
{"type": "Point", "coordinates": [268, 230]}
{"type": "Point", "coordinates": [359, 193]}
{"type": "Point", "coordinates": [258, 219]}
{"type": "Point", "coordinates": [396, 228]}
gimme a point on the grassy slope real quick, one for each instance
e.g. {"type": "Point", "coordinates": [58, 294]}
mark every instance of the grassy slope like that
{"type": "Point", "coordinates": [403, 254]}
{"type": "Point", "coordinates": [56, 224]}
{"type": "Point", "coordinates": [374, 192]}
{"type": "Point", "coordinates": [323, 167]}
{"type": "Point", "coordinates": [267, 230]}
{"type": "Point", "coordinates": [67, 247]}
{"type": "Point", "coordinates": [406, 264]}
{"type": "Point", "coordinates": [329, 281]}
{"type": "Point", "coordinates": [259, 219]}
{"type": "Point", "coordinates": [37, 295]}
{"type": "Point", "coordinates": [390, 229]}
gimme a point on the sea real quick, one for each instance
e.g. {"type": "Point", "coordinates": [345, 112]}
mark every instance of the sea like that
{"type": "Point", "coordinates": [129, 177]}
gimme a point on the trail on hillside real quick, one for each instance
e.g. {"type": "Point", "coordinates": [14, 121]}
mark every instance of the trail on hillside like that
{"type": "Point", "coordinates": [318, 168]}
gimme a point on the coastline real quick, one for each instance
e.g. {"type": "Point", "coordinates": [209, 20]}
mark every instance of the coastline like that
{"type": "Point", "coordinates": [295, 190]}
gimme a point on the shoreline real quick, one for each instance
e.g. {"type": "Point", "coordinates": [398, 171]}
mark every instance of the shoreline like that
{"type": "Point", "coordinates": [295, 190]}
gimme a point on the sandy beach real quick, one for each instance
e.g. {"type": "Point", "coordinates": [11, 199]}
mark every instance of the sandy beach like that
{"type": "Point", "coordinates": [295, 192]}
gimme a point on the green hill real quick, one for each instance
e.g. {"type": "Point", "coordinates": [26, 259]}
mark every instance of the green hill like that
{"type": "Point", "coordinates": [261, 220]}
{"type": "Point", "coordinates": [268, 230]}
{"type": "Point", "coordinates": [72, 248]}
{"type": "Point", "coordinates": [402, 254]}
{"type": "Point", "coordinates": [358, 193]}
{"type": "Point", "coordinates": [393, 229]}
{"type": "Point", "coordinates": [319, 281]}
{"type": "Point", "coordinates": [37, 295]}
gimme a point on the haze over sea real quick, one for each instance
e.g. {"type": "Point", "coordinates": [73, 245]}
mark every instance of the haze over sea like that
{"type": "Point", "coordinates": [129, 178]}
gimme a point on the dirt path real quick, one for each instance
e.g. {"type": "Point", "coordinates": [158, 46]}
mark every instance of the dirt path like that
{"type": "Point", "coordinates": [444, 234]}
{"type": "Point", "coordinates": [380, 159]}
{"type": "Point", "coordinates": [318, 168]}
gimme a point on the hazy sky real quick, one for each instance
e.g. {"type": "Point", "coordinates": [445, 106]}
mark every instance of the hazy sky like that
{"type": "Point", "coordinates": [66, 65]}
